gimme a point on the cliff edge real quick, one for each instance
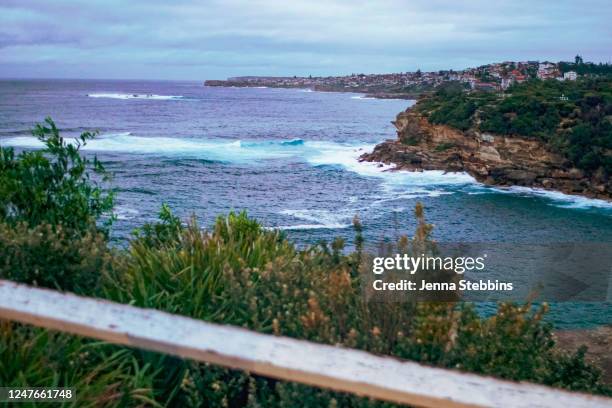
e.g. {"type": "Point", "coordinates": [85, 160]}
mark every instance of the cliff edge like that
{"type": "Point", "coordinates": [491, 159]}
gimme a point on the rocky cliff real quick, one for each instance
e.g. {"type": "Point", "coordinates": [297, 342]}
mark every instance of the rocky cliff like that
{"type": "Point", "coordinates": [491, 159]}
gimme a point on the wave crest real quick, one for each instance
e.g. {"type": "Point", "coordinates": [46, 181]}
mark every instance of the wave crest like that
{"type": "Point", "coordinates": [134, 96]}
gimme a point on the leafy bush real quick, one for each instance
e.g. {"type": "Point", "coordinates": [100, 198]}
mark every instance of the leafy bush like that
{"type": "Point", "coordinates": [51, 257]}
{"type": "Point", "coordinates": [53, 185]}
{"type": "Point", "coordinates": [457, 109]}
{"type": "Point", "coordinates": [518, 115]}
{"type": "Point", "coordinates": [49, 206]}
{"type": "Point", "coordinates": [164, 270]}
{"type": "Point", "coordinates": [458, 113]}
{"type": "Point", "coordinates": [155, 235]}
{"type": "Point", "coordinates": [585, 68]}
{"type": "Point", "coordinates": [517, 344]}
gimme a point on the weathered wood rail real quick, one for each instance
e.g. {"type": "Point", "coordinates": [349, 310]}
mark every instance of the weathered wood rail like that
{"type": "Point", "coordinates": [287, 359]}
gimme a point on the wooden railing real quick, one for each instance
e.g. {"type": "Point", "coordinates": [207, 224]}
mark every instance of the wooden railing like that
{"type": "Point", "coordinates": [335, 368]}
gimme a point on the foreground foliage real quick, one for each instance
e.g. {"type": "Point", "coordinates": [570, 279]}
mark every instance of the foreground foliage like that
{"type": "Point", "coordinates": [238, 273]}
{"type": "Point", "coordinates": [55, 185]}
{"type": "Point", "coordinates": [52, 257]}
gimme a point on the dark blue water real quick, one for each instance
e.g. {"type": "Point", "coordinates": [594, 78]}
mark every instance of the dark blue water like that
{"type": "Point", "coordinates": [289, 158]}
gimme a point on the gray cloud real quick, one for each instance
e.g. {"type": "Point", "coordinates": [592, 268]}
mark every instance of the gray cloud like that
{"type": "Point", "coordinates": [217, 38]}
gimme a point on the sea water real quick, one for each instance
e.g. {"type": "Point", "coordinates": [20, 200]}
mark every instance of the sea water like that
{"type": "Point", "coordinates": [290, 158]}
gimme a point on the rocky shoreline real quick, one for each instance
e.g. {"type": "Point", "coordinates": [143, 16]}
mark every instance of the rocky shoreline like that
{"type": "Point", "coordinates": [490, 159]}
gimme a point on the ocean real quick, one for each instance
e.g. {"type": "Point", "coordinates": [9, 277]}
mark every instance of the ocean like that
{"type": "Point", "coordinates": [288, 157]}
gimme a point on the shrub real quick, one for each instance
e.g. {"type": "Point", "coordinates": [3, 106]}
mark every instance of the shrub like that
{"type": "Point", "coordinates": [53, 185]}
{"type": "Point", "coordinates": [457, 113]}
{"type": "Point", "coordinates": [53, 258]}
{"type": "Point", "coordinates": [180, 269]}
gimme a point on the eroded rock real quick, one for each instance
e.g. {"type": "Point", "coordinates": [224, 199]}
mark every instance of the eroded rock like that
{"type": "Point", "coordinates": [491, 159]}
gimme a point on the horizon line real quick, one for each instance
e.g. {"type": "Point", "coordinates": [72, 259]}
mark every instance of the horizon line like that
{"type": "Point", "coordinates": [25, 78]}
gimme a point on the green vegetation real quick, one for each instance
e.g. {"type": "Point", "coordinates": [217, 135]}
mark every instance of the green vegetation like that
{"type": "Point", "coordinates": [416, 89]}
{"type": "Point", "coordinates": [585, 68]}
{"type": "Point", "coordinates": [53, 186]}
{"type": "Point", "coordinates": [450, 105]}
{"type": "Point", "coordinates": [51, 256]}
{"type": "Point", "coordinates": [238, 273]}
{"type": "Point", "coordinates": [444, 146]}
{"type": "Point", "coordinates": [573, 117]}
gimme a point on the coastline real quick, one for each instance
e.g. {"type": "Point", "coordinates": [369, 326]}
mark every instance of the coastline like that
{"type": "Point", "coordinates": [493, 160]}
{"type": "Point", "coordinates": [459, 153]}
{"type": "Point", "coordinates": [368, 93]}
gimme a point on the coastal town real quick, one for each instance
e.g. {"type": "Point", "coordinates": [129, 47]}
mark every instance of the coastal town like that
{"type": "Point", "coordinates": [491, 77]}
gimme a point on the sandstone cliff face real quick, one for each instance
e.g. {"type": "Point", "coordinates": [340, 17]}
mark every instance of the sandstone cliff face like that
{"type": "Point", "coordinates": [491, 159]}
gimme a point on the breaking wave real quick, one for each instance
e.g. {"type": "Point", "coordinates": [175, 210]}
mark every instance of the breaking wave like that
{"type": "Point", "coordinates": [557, 198]}
{"type": "Point", "coordinates": [123, 212]}
{"type": "Point", "coordinates": [396, 185]}
{"type": "Point", "coordinates": [134, 96]}
{"type": "Point", "coordinates": [293, 142]}
{"type": "Point", "coordinates": [319, 219]}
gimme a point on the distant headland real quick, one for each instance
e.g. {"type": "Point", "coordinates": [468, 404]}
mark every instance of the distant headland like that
{"type": "Point", "coordinates": [550, 129]}
{"type": "Point", "coordinates": [411, 85]}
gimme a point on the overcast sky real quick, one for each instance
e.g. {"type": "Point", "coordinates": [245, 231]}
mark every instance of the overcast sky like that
{"type": "Point", "coordinates": [188, 39]}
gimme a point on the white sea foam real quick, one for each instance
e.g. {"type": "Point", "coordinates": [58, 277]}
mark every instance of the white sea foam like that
{"type": "Point", "coordinates": [308, 227]}
{"type": "Point", "coordinates": [210, 149]}
{"type": "Point", "coordinates": [125, 213]}
{"type": "Point", "coordinates": [316, 153]}
{"type": "Point", "coordinates": [117, 134]}
{"type": "Point", "coordinates": [395, 184]}
{"type": "Point", "coordinates": [320, 218]}
{"type": "Point", "coordinates": [134, 96]}
{"type": "Point", "coordinates": [22, 141]}
{"type": "Point", "coordinates": [406, 193]}
{"type": "Point", "coordinates": [347, 156]}
{"type": "Point", "coordinates": [364, 97]}
{"type": "Point", "coordinates": [557, 198]}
